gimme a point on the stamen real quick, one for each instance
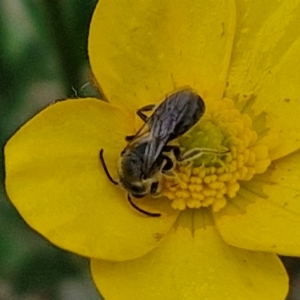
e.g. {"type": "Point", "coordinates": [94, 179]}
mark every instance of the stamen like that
{"type": "Point", "coordinates": [218, 154]}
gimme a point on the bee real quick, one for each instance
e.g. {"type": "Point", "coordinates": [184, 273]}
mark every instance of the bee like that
{"type": "Point", "coordinates": [147, 154]}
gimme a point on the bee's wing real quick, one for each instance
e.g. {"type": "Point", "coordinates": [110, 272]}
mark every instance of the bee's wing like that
{"type": "Point", "coordinates": [142, 136]}
{"type": "Point", "coordinates": [172, 118]}
{"type": "Point", "coordinates": [162, 126]}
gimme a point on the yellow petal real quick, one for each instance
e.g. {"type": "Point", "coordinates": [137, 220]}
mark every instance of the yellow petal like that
{"type": "Point", "coordinates": [279, 97]}
{"type": "Point", "coordinates": [265, 215]}
{"type": "Point", "coordinates": [264, 64]}
{"type": "Point", "coordinates": [141, 50]}
{"type": "Point", "coordinates": [193, 265]}
{"type": "Point", "coordinates": [265, 30]}
{"type": "Point", "coordinates": [55, 180]}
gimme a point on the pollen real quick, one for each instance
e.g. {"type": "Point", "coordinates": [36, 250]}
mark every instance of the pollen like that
{"type": "Point", "coordinates": [226, 152]}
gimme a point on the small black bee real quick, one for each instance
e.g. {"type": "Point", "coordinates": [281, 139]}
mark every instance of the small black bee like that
{"type": "Point", "coordinates": [145, 158]}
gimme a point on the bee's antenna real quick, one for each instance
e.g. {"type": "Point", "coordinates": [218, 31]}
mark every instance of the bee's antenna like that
{"type": "Point", "coordinates": [141, 210]}
{"type": "Point", "coordinates": [105, 168]}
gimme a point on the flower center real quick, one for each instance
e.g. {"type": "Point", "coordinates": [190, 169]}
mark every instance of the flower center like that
{"type": "Point", "coordinates": [231, 154]}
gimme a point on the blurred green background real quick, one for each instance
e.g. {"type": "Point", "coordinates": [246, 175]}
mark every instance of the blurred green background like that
{"type": "Point", "coordinates": [43, 57]}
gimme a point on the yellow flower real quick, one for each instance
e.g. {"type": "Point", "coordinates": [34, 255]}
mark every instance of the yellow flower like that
{"type": "Point", "coordinates": [225, 219]}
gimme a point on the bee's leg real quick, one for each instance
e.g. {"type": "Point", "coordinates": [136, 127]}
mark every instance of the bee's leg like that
{"type": "Point", "coordinates": [140, 111]}
{"type": "Point", "coordinates": [174, 149]}
{"type": "Point", "coordinates": [154, 187]}
{"type": "Point", "coordinates": [197, 152]}
{"type": "Point", "coordinates": [167, 168]}
{"type": "Point", "coordinates": [105, 168]}
{"type": "Point", "coordinates": [155, 190]}
{"type": "Point", "coordinates": [129, 138]}
{"type": "Point", "coordinates": [168, 163]}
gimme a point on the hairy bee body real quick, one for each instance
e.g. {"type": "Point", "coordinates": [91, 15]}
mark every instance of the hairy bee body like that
{"type": "Point", "coordinates": [143, 160]}
{"type": "Point", "coordinates": [131, 172]}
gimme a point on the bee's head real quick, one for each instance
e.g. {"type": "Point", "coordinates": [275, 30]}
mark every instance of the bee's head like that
{"type": "Point", "coordinates": [130, 173]}
{"type": "Point", "coordinates": [130, 166]}
{"type": "Point", "coordinates": [133, 177]}
{"type": "Point", "coordinates": [140, 189]}
{"type": "Point", "coordinates": [137, 189]}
